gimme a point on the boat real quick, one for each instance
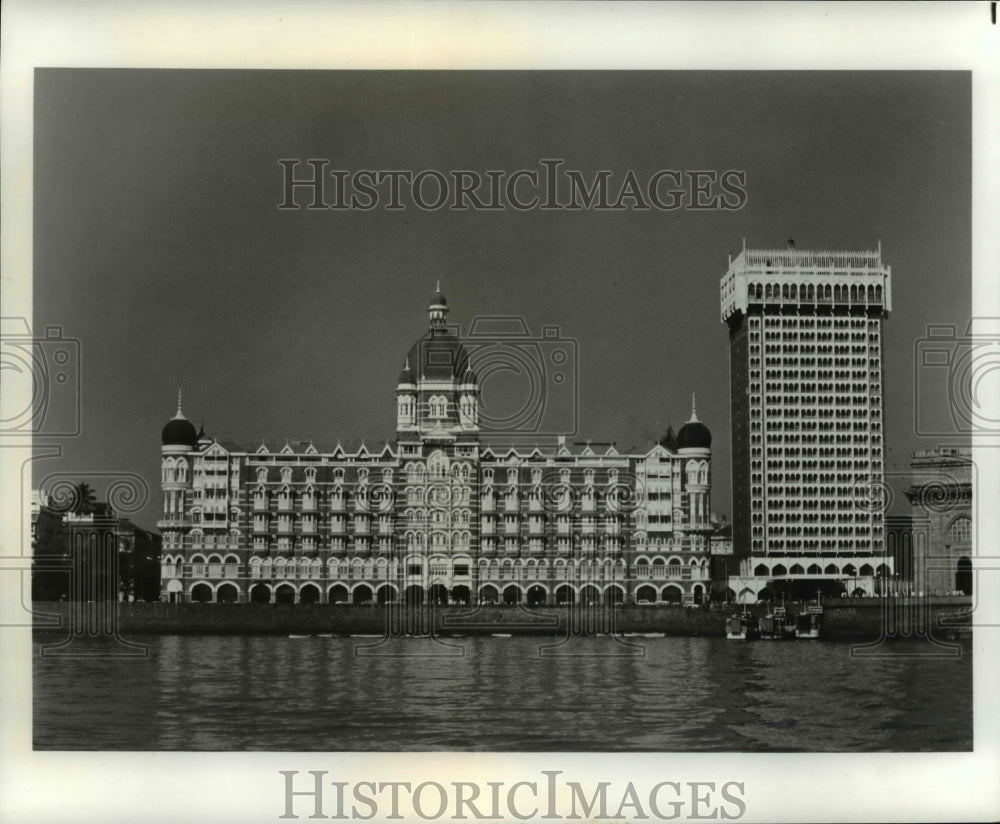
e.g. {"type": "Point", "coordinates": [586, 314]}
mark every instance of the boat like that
{"type": "Point", "coordinates": [778, 624]}
{"type": "Point", "coordinates": [808, 621]}
{"type": "Point", "coordinates": [742, 627]}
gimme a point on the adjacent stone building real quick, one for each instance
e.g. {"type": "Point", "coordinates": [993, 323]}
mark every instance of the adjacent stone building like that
{"type": "Point", "coordinates": [940, 495]}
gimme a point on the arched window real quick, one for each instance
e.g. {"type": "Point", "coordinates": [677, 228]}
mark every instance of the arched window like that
{"type": "Point", "coordinates": [960, 531]}
{"type": "Point", "coordinates": [438, 406]}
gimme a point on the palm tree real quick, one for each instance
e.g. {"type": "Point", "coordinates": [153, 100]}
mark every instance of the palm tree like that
{"type": "Point", "coordinates": [86, 500]}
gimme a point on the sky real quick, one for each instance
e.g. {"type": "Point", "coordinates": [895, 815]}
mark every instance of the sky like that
{"type": "Point", "coordinates": [159, 244]}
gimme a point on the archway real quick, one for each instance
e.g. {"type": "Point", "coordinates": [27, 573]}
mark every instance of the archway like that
{"type": "Point", "coordinates": [309, 594]}
{"type": "Point", "coordinates": [461, 594]}
{"type": "Point", "coordinates": [201, 593]}
{"type": "Point", "coordinates": [362, 595]}
{"type": "Point", "coordinates": [535, 595]}
{"type": "Point", "coordinates": [963, 576]}
{"type": "Point", "coordinates": [285, 594]}
{"type": "Point", "coordinates": [260, 594]}
{"type": "Point", "coordinates": [414, 594]}
{"type": "Point", "coordinates": [645, 594]}
{"type": "Point", "coordinates": [439, 594]}
{"type": "Point", "coordinates": [614, 594]}
{"type": "Point", "coordinates": [729, 595]}
{"type": "Point", "coordinates": [672, 595]}
{"type": "Point", "coordinates": [565, 594]}
{"type": "Point", "coordinates": [590, 595]}
{"type": "Point", "coordinates": [765, 595]}
{"type": "Point", "coordinates": [512, 594]}
{"type": "Point", "coordinates": [338, 594]}
{"type": "Point", "coordinates": [489, 594]}
{"type": "Point", "coordinates": [699, 593]}
{"type": "Point", "coordinates": [227, 594]}
{"type": "Point", "coordinates": [385, 593]}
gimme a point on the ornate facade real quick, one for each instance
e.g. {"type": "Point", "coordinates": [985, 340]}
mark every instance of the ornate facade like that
{"type": "Point", "coordinates": [440, 514]}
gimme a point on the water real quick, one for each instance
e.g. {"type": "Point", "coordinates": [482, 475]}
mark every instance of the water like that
{"type": "Point", "coordinates": [684, 694]}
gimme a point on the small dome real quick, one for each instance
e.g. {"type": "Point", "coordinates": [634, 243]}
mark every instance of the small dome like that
{"type": "Point", "coordinates": [179, 431]}
{"type": "Point", "coordinates": [439, 299]}
{"type": "Point", "coordinates": [694, 434]}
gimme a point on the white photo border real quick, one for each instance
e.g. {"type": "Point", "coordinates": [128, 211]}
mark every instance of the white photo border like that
{"type": "Point", "coordinates": [241, 787]}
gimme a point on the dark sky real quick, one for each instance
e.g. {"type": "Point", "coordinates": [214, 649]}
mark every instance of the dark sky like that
{"type": "Point", "coordinates": [159, 245]}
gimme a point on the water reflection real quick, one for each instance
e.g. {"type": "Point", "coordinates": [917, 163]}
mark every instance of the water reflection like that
{"type": "Point", "coordinates": [683, 694]}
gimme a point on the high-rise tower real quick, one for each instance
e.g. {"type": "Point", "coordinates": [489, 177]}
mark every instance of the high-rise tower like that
{"type": "Point", "coordinates": [805, 342]}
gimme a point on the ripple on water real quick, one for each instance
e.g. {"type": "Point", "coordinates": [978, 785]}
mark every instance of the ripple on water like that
{"type": "Point", "coordinates": [322, 694]}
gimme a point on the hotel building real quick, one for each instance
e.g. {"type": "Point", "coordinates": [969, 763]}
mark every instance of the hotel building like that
{"type": "Point", "coordinates": [437, 515]}
{"type": "Point", "coordinates": [806, 379]}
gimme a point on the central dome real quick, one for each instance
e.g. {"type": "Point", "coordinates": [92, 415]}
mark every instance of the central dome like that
{"type": "Point", "coordinates": [438, 355]}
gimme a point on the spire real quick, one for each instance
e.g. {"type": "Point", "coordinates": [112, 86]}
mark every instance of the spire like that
{"type": "Point", "coordinates": [694, 414]}
{"type": "Point", "coordinates": [180, 414]}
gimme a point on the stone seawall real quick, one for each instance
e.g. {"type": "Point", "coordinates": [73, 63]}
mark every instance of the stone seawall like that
{"type": "Point", "coordinates": [942, 617]}
{"type": "Point", "coordinates": [283, 619]}
{"type": "Point", "coordinates": [843, 619]}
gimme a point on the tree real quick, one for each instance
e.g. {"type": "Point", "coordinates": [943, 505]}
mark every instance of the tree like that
{"type": "Point", "coordinates": [86, 500]}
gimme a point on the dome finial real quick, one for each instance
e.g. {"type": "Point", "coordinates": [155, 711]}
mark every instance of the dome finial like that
{"type": "Point", "coordinates": [694, 413]}
{"type": "Point", "coordinates": [438, 290]}
{"type": "Point", "coordinates": [180, 413]}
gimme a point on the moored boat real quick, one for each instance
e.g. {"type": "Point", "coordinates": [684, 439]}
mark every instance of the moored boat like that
{"type": "Point", "coordinates": [742, 627]}
{"type": "Point", "coordinates": [808, 621]}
